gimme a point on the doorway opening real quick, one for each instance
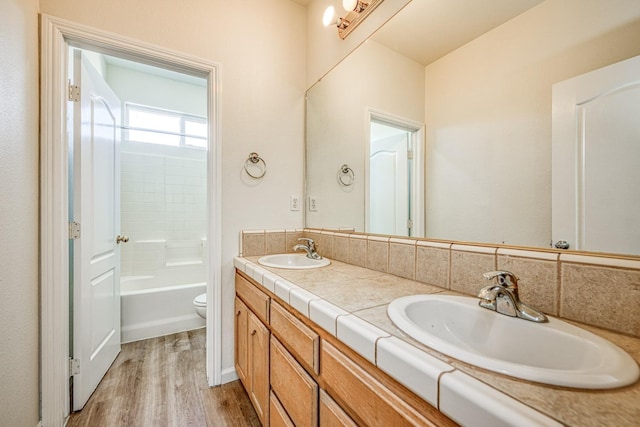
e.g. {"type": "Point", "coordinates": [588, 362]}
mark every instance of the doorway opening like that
{"type": "Point", "coordinates": [395, 176]}
{"type": "Point", "coordinates": [137, 153]}
{"type": "Point", "coordinates": [57, 36]}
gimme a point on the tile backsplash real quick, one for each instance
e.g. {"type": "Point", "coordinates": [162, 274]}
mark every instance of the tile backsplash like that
{"type": "Point", "coordinates": [595, 290]}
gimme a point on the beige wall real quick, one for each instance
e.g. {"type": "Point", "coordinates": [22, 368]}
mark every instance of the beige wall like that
{"type": "Point", "coordinates": [337, 131]}
{"type": "Point", "coordinates": [262, 99]}
{"type": "Point", "coordinates": [488, 115]}
{"type": "Point", "coordinates": [19, 367]}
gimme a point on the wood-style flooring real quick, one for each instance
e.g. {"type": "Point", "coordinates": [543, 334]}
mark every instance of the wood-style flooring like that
{"type": "Point", "coordinates": [162, 382]}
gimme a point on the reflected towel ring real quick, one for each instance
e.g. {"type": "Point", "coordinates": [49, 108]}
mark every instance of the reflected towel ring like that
{"type": "Point", "coordinates": [253, 160]}
{"type": "Point", "coordinates": [346, 177]}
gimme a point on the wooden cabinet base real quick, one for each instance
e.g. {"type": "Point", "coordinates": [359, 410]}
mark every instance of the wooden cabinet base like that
{"type": "Point", "coordinates": [296, 374]}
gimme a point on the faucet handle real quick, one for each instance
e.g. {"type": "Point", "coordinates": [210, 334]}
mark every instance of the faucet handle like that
{"type": "Point", "coordinates": [505, 278]}
{"type": "Point", "coordinates": [310, 243]}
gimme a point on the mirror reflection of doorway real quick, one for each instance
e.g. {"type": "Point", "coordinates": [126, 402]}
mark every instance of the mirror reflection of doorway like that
{"type": "Point", "coordinates": [394, 179]}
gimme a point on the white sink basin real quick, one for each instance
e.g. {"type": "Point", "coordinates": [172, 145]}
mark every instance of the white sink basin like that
{"type": "Point", "coordinates": [555, 353]}
{"type": "Point", "coordinates": [292, 261]}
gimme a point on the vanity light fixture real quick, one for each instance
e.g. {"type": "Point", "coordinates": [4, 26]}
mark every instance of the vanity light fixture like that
{"type": "Point", "coordinates": [357, 11]}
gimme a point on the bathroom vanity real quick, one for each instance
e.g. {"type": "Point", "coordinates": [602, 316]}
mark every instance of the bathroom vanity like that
{"type": "Point", "coordinates": [297, 374]}
{"type": "Point", "coordinates": [312, 351]}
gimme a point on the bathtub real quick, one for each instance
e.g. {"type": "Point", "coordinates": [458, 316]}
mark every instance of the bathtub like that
{"type": "Point", "coordinates": [153, 306]}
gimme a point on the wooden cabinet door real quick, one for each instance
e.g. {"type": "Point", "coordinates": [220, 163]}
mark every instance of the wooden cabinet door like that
{"type": "Point", "coordinates": [241, 341]}
{"type": "Point", "coordinates": [258, 370]}
{"type": "Point", "coordinates": [295, 389]}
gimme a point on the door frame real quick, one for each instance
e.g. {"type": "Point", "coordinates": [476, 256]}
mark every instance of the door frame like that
{"type": "Point", "coordinates": [56, 35]}
{"type": "Point", "coordinates": [417, 130]}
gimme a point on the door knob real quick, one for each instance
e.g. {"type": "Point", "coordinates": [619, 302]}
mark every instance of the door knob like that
{"type": "Point", "coordinates": [122, 239]}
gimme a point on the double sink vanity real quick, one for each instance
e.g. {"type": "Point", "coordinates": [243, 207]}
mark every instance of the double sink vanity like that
{"type": "Point", "coordinates": [329, 343]}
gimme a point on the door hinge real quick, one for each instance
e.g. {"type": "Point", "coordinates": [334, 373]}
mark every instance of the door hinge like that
{"type": "Point", "coordinates": [74, 367]}
{"type": "Point", "coordinates": [409, 224]}
{"type": "Point", "coordinates": [410, 154]}
{"type": "Point", "coordinates": [74, 231]}
{"type": "Point", "coordinates": [74, 93]}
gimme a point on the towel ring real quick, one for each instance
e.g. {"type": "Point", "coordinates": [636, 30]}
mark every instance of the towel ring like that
{"type": "Point", "coordinates": [253, 160]}
{"type": "Point", "coordinates": [346, 177]}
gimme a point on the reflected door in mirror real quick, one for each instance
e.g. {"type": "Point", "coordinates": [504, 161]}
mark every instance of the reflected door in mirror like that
{"type": "Point", "coordinates": [596, 159]}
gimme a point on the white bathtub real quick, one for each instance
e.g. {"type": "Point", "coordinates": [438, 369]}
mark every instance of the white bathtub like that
{"type": "Point", "coordinates": [153, 306]}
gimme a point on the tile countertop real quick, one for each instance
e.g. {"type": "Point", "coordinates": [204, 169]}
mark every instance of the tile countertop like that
{"type": "Point", "coordinates": [350, 302]}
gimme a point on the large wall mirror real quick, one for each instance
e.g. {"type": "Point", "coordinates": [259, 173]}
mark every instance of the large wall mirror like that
{"type": "Point", "coordinates": [473, 83]}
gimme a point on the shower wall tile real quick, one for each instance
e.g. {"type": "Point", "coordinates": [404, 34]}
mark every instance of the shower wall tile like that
{"type": "Point", "coordinates": [163, 196]}
{"type": "Point", "coordinates": [163, 200]}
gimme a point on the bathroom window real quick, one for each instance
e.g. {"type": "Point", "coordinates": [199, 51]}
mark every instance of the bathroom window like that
{"type": "Point", "coordinates": [157, 126]}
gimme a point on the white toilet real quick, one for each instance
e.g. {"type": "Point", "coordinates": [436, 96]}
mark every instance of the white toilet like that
{"type": "Point", "coordinates": [200, 304]}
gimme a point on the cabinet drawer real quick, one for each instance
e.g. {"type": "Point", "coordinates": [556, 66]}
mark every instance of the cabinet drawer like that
{"type": "Point", "coordinates": [277, 415]}
{"type": "Point", "coordinates": [295, 389]}
{"type": "Point", "coordinates": [255, 299]}
{"type": "Point", "coordinates": [296, 336]}
{"type": "Point", "coordinates": [331, 414]}
{"type": "Point", "coordinates": [364, 396]}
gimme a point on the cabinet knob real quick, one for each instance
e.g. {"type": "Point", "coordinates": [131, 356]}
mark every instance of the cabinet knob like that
{"type": "Point", "coordinates": [253, 332]}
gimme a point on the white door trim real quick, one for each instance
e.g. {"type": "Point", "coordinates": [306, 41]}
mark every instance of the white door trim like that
{"type": "Point", "coordinates": [56, 35]}
{"type": "Point", "coordinates": [417, 130]}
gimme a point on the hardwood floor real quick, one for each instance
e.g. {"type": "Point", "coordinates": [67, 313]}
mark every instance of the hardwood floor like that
{"type": "Point", "coordinates": [162, 382]}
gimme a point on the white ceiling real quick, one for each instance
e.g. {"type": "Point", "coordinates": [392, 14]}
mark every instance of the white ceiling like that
{"type": "Point", "coordinates": [426, 30]}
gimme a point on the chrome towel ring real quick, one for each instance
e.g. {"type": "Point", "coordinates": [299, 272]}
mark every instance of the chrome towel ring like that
{"type": "Point", "coordinates": [346, 177]}
{"type": "Point", "coordinates": [255, 166]}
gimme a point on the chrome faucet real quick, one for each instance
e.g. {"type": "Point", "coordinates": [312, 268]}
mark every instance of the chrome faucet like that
{"type": "Point", "coordinates": [503, 297]}
{"type": "Point", "coordinates": [310, 247]}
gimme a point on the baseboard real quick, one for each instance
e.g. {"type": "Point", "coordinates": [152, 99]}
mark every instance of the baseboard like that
{"type": "Point", "coordinates": [228, 375]}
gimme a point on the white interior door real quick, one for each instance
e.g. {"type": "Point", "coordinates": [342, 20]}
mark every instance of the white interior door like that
{"type": "Point", "coordinates": [96, 207]}
{"type": "Point", "coordinates": [389, 182]}
{"type": "Point", "coordinates": [596, 160]}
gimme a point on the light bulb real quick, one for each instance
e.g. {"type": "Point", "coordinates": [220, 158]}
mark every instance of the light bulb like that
{"type": "Point", "coordinates": [327, 18]}
{"type": "Point", "coordinates": [349, 5]}
{"type": "Point", "coordinates": [354, 5]}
